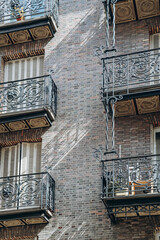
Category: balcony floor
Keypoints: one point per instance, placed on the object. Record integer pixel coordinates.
(133, 206)
(27, 30)
(28, 120)
(26, 216)
(138, 101)
(26, 199)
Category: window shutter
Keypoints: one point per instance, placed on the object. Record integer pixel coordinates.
(34, 72)
(156, 41)
(41, 65)
(24, 68)
(16, 70)
(9, 161)
(31, 158)
(9, 72)
(38, 157)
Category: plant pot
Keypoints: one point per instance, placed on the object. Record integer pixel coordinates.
(123, 192)
(20, 18)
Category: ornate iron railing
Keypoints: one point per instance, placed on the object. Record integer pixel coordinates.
(135, 70)
(28, 94)
(25, 191)
(131, 177)
(11, 10)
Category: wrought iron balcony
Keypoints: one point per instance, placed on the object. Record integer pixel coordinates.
(27, 103)
(131, 186)
(135, 78)
(26, 199)
(129, 71)
(27, 20)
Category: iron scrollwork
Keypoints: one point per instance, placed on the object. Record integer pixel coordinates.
(131, 176)
(132, 69)
(27, 190)
(9, 10)
(28, 94)
(17, 94)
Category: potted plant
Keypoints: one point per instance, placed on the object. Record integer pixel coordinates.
(17, 10)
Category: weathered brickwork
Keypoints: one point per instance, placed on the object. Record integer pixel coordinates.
(23, 232)
(134, 228)
(79, 128)
(133, 135)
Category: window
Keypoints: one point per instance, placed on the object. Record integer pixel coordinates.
(24, 68)
(19, 182)
(23, 158)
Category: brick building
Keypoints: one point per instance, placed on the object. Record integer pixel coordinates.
(54, 134)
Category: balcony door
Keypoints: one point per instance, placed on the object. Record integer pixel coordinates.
(19, 166)
(22, 87)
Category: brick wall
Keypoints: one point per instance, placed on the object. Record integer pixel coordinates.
(134, 228)
(133, 135)
(19, 233)
(69, 144)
